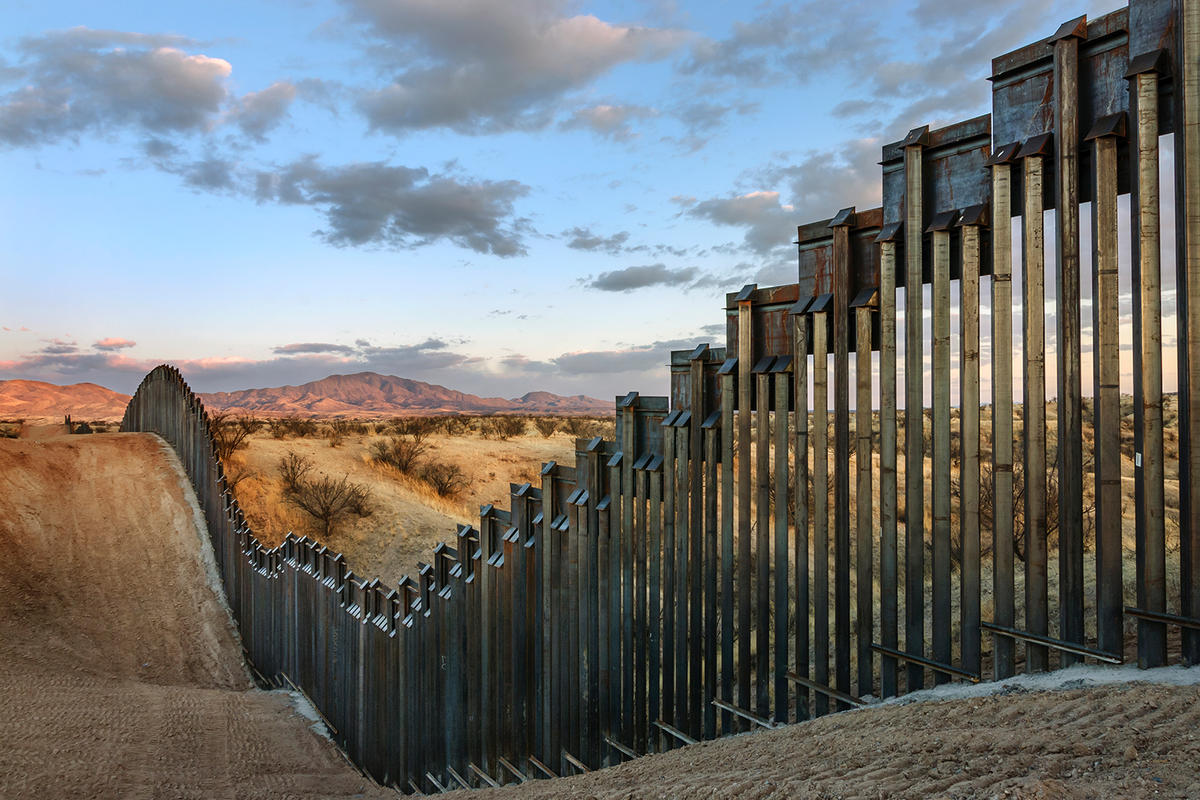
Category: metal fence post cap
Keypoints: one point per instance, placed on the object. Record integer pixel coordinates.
(1072, 29)
(1154, 61)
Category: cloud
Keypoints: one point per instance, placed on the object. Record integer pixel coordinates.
(113, 343)
(632, 359)
(396, 206)
(476, 66)
(765, 219)
(58, 347)
(294, 363)
(630, 278)
(311, 347)
(585, 239)
(609, 121)
(83, 80)
(790, 43)
(258, 112)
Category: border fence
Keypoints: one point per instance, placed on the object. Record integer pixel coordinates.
(680, 582)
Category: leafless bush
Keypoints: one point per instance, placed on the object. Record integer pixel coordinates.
(230, 432)
(401, 452)
(293, 470)
(590, 427)
(416, 428)
(502, 428)
(330, 500)
(546, 426)
(446, 479)
(292, 428)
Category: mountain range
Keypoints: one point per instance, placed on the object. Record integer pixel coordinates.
(363, 394)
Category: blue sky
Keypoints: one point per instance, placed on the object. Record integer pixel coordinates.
(497, 197)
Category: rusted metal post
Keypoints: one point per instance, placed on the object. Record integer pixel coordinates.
(548, 563)
(744, 355)
(841, 448)
(969, 603)
(762, 544)
(864, 561)
(711, 548)
(1152, 639)
(1187, 264)
(820, 588)
(640, 621)
(800, 498)
(888, 563)
(914, 406)
(940, 230)
(668, 577)
(1003, 581)
(654, 696)
(629, 499)
(1034, 154)
(780, 372)
(682, 534)
(695, 554)
(1070, 387)
(1107, 373)
(726, 374)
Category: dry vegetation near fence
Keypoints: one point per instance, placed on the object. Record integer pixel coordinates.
(421, 477)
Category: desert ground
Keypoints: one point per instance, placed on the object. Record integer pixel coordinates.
(123, 678)
(408, 517)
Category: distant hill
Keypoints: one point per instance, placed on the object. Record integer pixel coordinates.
(365, 394)
(369, 394)
(21, 399)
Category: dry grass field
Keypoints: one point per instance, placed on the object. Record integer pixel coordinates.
(408, 517)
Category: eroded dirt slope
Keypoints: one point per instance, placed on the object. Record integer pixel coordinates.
(119, 672)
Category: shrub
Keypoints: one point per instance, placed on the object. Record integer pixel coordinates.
(401, 452)
(416, 428)
(446, 479)
(455, 425)
(292, 427)
(230, 432)
(502, 427)
(330, 500)
(546, 426)
(293, 469)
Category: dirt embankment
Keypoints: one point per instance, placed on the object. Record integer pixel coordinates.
(119, 671)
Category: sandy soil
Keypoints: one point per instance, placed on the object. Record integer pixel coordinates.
(119, 669)
(1124, 741)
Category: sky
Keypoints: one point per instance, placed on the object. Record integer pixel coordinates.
(495, 197)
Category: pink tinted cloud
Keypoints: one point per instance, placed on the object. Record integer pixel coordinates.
(113, 343)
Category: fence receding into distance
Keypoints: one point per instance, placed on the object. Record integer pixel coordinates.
(679, 583)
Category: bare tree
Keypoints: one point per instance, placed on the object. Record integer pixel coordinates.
(330, 500)
(293, 470)
(402, 452)
(546, 426)
(230, 432)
